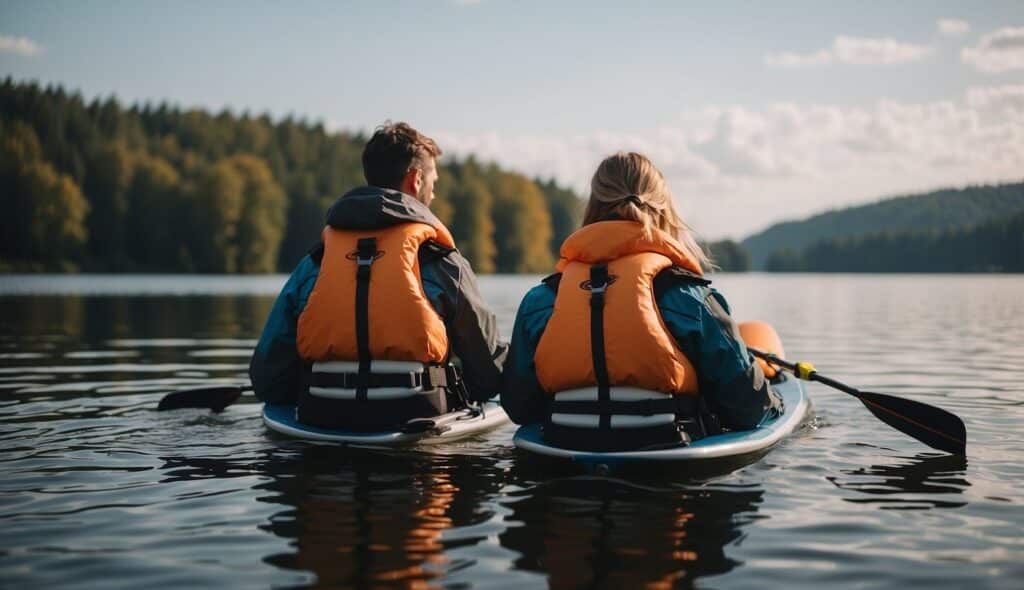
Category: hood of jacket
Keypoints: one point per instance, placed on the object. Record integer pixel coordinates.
(371, 207)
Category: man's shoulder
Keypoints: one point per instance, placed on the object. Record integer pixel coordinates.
(432, 251)
(442, 263)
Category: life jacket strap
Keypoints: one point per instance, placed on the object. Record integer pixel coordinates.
(374, 380)
(366, 253)
(678, 405)
(598, 285)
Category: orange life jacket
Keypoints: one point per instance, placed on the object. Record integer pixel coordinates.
(401, 323)
(639, 350)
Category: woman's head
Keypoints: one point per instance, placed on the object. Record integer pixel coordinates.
(628, 186)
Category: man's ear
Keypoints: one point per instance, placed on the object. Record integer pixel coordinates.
(412, 181)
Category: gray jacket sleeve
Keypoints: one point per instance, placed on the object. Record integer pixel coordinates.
(451, 286)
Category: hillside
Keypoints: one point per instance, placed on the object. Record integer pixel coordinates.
(943, 210)
(994, 246)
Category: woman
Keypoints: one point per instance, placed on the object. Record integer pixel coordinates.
(628, 346)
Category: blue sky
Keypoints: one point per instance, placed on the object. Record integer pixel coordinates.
(756, 111)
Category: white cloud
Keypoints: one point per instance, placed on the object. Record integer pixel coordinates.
(735, 170)
(953, 27)
(854, 51)
(19, 46)
(999, 51)
(1011, 97)
(788, 59)
(864, 51)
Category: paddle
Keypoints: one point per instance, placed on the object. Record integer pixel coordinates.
(933, 426)
(214, 398)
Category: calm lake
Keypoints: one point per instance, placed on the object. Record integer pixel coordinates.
(99, 490)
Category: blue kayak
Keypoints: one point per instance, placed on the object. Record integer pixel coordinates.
(720, 446)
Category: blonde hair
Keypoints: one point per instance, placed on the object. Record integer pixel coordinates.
(628, 186)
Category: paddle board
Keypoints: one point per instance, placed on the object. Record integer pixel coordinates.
(721, 446)
(439, 429)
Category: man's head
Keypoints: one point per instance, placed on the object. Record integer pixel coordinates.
(400, 158)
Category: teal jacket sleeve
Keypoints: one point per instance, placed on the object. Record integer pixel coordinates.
(521, 395)
(276, 370)
(732, 385)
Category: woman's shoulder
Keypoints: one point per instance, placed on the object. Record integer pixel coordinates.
(540, 297)
(679, 288)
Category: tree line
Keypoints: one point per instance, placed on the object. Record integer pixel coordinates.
(995, 246)
(941, 210)
(98, 186)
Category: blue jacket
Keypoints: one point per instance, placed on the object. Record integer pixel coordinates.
(278, 373)
(696, 315)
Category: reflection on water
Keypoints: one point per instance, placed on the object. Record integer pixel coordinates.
(898, 486)
(99, 490)
(362, 518)
(369, 518)
(607, 533)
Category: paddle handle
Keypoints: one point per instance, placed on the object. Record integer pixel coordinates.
(803, 371)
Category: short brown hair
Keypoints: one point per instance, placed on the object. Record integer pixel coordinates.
(394, 149)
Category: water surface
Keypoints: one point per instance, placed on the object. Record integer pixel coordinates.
(99, 490)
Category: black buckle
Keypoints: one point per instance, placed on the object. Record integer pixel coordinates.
(366, 251)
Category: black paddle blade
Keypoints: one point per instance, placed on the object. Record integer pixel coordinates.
(933, 426)
(212, 398)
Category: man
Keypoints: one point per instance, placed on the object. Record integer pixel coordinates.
(381, 304)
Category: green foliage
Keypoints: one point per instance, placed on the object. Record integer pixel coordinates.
(996, 246)
(156, 215)
(785, 260)
(943, 210)
(241, 212)
(109, 175)
(44, 212)
(522, 224)
(728, 256)
(471, 222)
(566, 212)
(157, 188)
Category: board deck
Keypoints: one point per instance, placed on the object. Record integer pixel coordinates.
(453, 426)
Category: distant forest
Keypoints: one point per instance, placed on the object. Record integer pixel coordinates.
(974, 229)
(100, 187)
(996, 246)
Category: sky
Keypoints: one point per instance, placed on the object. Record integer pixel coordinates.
(756, 112)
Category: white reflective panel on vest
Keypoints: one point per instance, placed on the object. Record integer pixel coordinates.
(617, 421)
(373, 393)
(375, 367)
(616, 394)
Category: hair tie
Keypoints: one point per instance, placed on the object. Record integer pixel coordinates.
(634, 199)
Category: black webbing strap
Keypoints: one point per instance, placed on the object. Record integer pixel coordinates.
(598, 285)
(375, 380)
(366, 252)
(678, 405)
(432, 377)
